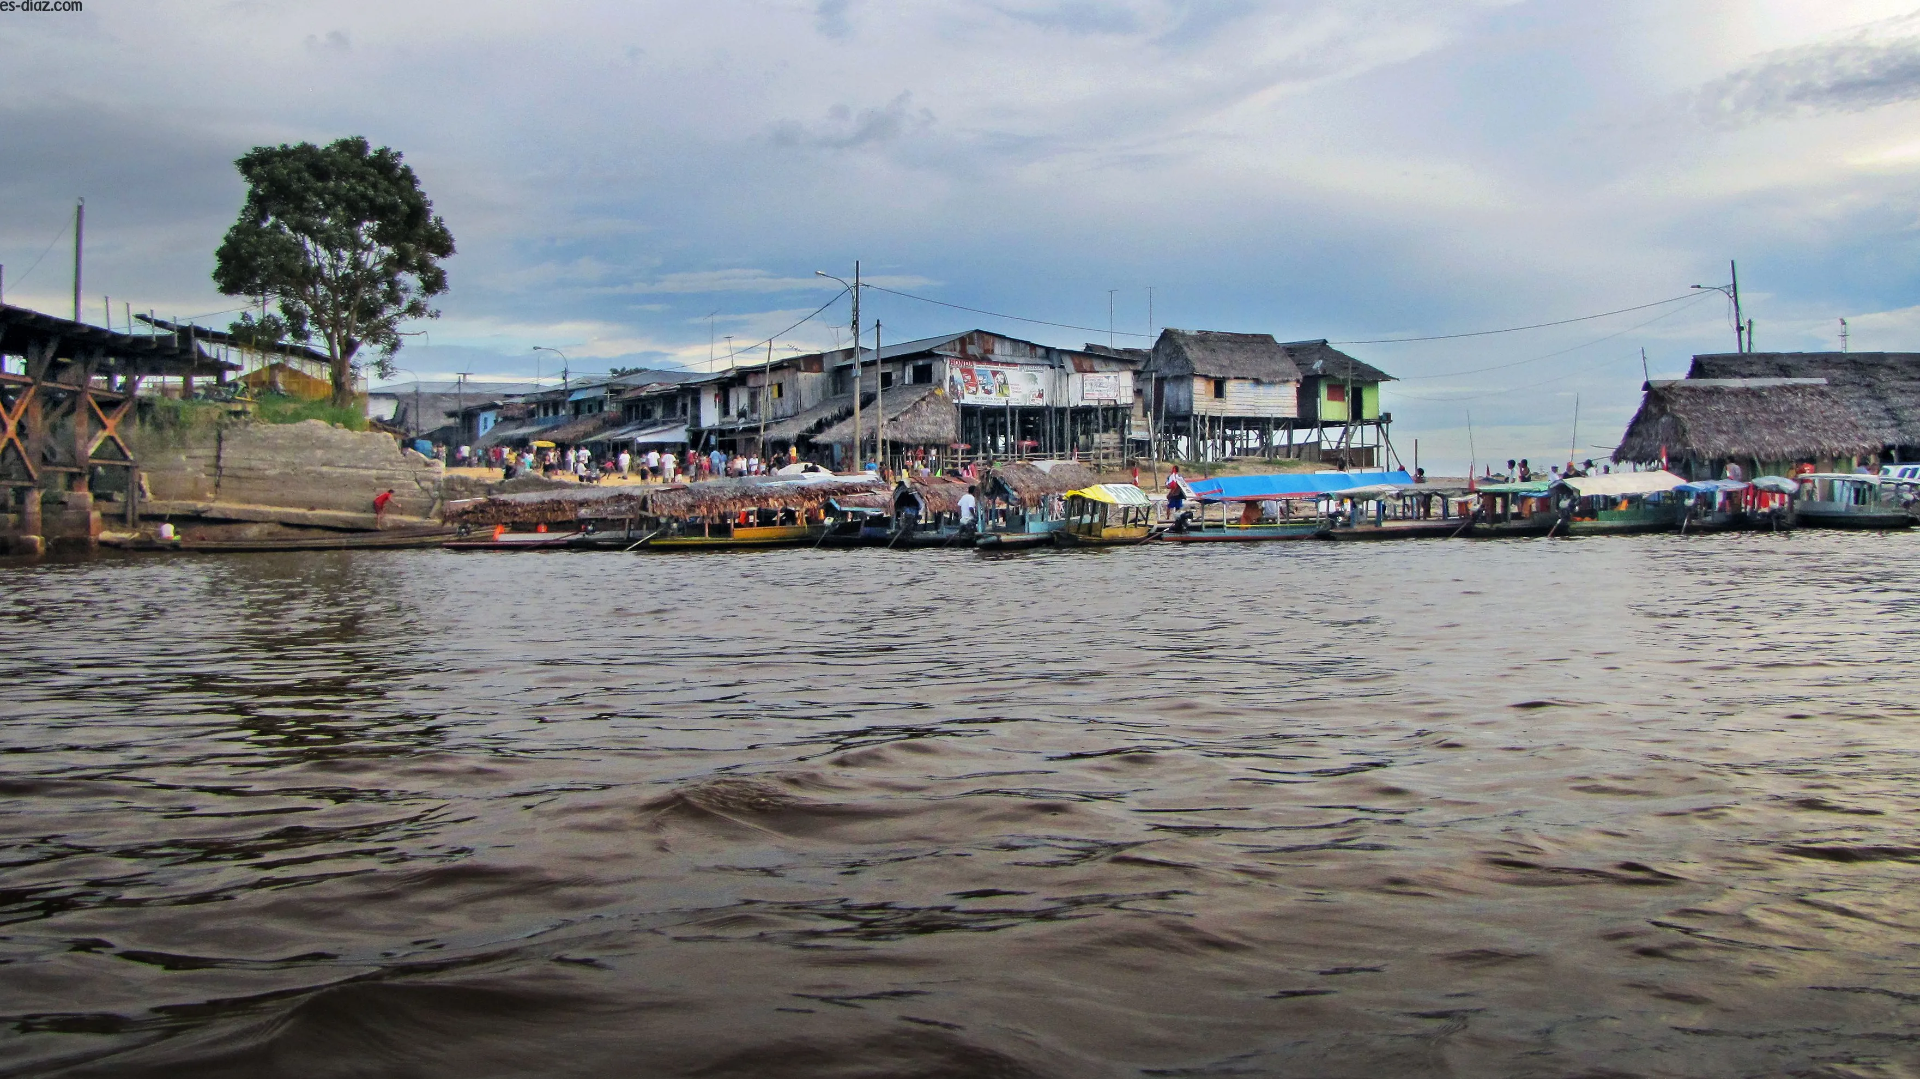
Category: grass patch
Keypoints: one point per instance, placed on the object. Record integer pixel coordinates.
(276, 408)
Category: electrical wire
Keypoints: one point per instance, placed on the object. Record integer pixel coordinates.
(36, 262)
(1516, 329)
(788, 330)
(997, 314)
(1578, 370)
(1548, 356)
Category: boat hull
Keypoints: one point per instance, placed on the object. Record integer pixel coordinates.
(1874, 520)
(1246, 534)
(1396, 530)
(770, 536)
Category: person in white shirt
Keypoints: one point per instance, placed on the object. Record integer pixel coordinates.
(626, 462)
(667, 464)
(653, 464)
(969, 510)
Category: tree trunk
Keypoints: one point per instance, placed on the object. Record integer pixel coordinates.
(342, 372)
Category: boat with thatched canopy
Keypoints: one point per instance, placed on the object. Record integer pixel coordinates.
(570, 516)
(760, 511)
(916, 513)
(1022, 503)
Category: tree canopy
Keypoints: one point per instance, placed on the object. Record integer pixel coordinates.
(343, 240)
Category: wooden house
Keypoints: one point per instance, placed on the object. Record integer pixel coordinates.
(1215, 394)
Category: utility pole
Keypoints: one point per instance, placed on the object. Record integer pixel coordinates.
(856, 366)
(1740, 338)
(3, 282)
(1110, 293)
(1645, 374)
(79, 234)
(1844, 346)
(766, 391)
(879, 401)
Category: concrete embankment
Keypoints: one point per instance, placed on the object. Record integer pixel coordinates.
(303, 475)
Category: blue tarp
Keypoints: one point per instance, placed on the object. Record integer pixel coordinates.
(1700, 487)
(1291, 485)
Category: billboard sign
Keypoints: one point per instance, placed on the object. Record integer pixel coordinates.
(970, 383)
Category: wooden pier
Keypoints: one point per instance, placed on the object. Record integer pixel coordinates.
(65, 390)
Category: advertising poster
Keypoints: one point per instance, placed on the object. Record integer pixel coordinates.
(995, 384)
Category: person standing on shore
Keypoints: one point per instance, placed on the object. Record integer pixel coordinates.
(380, 503)
(667, 466)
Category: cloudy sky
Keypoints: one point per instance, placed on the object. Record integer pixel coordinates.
(635, 182)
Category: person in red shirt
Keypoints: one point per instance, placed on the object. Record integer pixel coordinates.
(380, 503)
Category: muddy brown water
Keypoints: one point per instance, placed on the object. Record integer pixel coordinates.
(1633, 806)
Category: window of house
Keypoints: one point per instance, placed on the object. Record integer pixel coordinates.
(886, 379)
(1219, 387)
(1336, 394)
(753, 400)
(779, 391)
(923, 374)
(842, 382)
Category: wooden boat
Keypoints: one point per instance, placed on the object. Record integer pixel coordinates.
(503, 539)
(717, 535)
(344, 541)
(1243, 520)
(1022, 503)
(1618, 503)
(1105, 514)
(1856, 501)
(1513, 510)
(1392, 529)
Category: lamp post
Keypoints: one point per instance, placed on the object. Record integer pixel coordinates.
(566, 382)
(1742, 339)
(855, 289)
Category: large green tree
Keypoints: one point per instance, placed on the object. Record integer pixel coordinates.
(343, 240)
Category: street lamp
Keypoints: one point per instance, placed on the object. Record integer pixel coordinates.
(855, 289)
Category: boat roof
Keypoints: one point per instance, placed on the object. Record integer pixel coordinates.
(1535, 488)
(1281, 485)
(1700, 487)
(1619, 484)
(1114, 494)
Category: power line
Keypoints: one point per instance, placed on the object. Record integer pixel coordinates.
(36, 262)
(809, 318)
(1515, 329)
(1547, 356)
(997, 314)
(1514, 389)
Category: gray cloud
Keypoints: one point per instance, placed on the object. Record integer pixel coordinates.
(1077, 16)
(1862, 71)
(845, 129)
(830, 18)
(336, 41)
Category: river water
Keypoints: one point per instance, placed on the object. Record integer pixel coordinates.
(1624, 806)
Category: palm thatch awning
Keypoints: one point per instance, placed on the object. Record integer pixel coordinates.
(710, 498)
(563, 506)
(1028, 483)
(916, 416)
(1761, 419)
(937, 494)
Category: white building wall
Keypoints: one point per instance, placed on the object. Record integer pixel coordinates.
(1247, 397)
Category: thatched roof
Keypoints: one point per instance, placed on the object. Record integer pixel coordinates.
(1764, 419)
(715, 497)
(1317, 359)
(916, 416)
(938, 494)
(808, 420)
(1882, 387)
(1029, 482)
(1217, 354)
(574, 502)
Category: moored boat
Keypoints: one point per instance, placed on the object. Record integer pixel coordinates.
(1617, 503)
(1513, 510)
(1105, 514)
(1853, 501)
